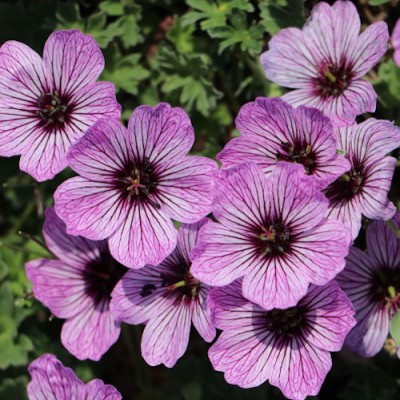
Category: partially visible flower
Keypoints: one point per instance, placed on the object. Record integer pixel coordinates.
(272, 131)
(325, 62)
(46, 105)
(133, 181)
(289, 347)
(372, 282)
(168, 299)
(52, 381)
(77, 287)
(396, 42)
(272, 232)
(364, 188)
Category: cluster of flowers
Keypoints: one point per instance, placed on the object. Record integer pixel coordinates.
(286, 207)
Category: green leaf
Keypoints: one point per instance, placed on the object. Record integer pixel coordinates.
(113, 8)
(126, 72)
(103, 33)
(249, 38)
(278, 14)
(14, 388)
(388, 84)
(68, 16)
(213, 14)
(395, 328)
(378, 2)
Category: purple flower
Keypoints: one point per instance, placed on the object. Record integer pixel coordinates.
(326, 60)
(134, 181)
(372, 282)
(77, 287)
(46, 105)
(396, 42)
(271, 231)
(52, 381)
(272, 130)
(168, 299)
(289, 347)
(364, 188)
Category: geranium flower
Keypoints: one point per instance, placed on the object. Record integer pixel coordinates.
(272, 131)
(325, 62)
(134, 181)
(46, 105)
(77, 287)
(364, 188)
(372, 282)
(272, 232)
(167, 298)
(52, 381)
(289, 347)
(396, 42)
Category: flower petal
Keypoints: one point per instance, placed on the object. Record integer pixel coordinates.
(202, 315)
(74, 59)
(97, 390)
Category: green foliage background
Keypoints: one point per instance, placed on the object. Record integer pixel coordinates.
(201, 55)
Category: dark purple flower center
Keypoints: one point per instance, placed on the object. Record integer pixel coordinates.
(138, 181)
(179, 282)
(272, 239)
(385, 288)
(53, 109)
(300, 153)
(348, 185)
(333, 79)
(287, 322)
(101, 276)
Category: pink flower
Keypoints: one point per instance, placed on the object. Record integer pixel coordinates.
(77, 287)
(396, 42)
(364, 188)
(46, 105)
(325, 62)
(272, 232)
(134, 181)
(272, 131)
(52, 381)
(289, 347)
(372, 282)
(168, 299)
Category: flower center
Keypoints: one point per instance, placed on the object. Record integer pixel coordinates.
(333, 80)
(285, 322)
(348, 185)
(138, 181)
(52, 108)
(273, 239)
(101, 276)
(300, 153)
(386, 288)
(180, 282)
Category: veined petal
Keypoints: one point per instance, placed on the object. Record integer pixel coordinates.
(52, 381)
(74, 59)
(91, 209)
(202, 315)
(165, 338)
(160, 133)
(186, 188)
(146, 236)
(97, 390)
(91, 333)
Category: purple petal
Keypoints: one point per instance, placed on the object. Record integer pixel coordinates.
(102, 152)
(146, 236)
(73, 250)
(74, 59)
(332, 315)
(202, 315)
(97, 390)
(371, 46)
(160, 133)
(166, 337)
(396, 42)
(188, 238)
(59, 286)
(186, 188)
(91, 333)
(52, 381)
(91, 209)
